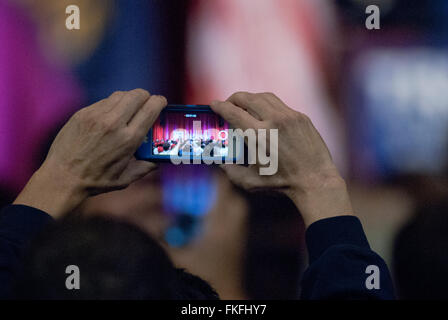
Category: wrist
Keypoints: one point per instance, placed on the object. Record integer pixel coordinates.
(52, 193)
(322, 196)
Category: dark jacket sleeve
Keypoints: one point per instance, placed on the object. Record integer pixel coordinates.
(18, 225)
(339, 257)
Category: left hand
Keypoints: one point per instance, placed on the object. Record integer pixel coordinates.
(93, 152)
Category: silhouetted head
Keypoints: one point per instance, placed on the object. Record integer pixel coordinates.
(115, 261)
(193, 287)
(420, 258)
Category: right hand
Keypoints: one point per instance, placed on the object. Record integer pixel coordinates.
(93, 152)
(306, 172)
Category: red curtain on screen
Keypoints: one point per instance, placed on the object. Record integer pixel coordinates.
(177, 121)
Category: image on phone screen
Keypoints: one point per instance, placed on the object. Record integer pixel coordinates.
(188, 132)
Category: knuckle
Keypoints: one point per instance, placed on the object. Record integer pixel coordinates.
(268, 95)
(78, 116)
(280, 121)
(103, 125)
(129, 97)
(256, 99)
(132, 94)
(240, 95)
(301, 117)
(160, 99)
(109, 124)
(138, 93)
(253, 97)
(291, 120)
(84, 116)
(116, 96)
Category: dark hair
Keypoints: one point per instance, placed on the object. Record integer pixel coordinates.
(193, 287)
(116, 261)
(420, 259)
(166, 146)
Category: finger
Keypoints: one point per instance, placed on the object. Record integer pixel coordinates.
(255, 104)
(105, 105)
(129, 104)
(275, 101)
(136, 170)
(147, 115)
(237, 117)
(113, 100)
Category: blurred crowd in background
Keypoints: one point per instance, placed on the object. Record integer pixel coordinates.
(378, 97)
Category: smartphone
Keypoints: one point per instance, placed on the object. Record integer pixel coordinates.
(190, 134)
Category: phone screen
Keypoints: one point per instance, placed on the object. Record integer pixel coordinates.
(188, 132)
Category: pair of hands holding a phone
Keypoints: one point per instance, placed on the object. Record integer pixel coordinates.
(93, 153)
